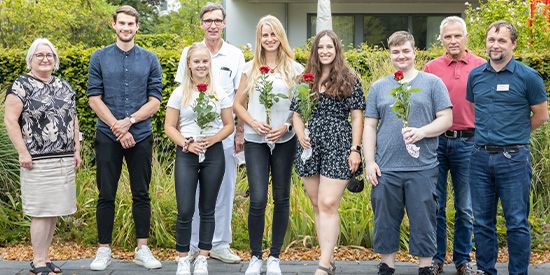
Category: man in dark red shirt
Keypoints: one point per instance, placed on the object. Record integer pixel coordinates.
(456, 144)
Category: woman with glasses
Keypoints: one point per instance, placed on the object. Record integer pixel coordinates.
(40, 118)
(269, 145)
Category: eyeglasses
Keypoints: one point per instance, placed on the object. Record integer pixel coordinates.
(210, 21)
(41, 56)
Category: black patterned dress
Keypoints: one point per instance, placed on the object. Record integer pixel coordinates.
(330, 134)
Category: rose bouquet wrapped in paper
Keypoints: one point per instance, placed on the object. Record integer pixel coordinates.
(205, 110)
(402, 106)
(266, 97)
(306, 104)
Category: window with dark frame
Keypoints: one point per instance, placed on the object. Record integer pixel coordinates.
(374, 29)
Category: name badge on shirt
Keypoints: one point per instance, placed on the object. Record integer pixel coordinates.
(503, 87)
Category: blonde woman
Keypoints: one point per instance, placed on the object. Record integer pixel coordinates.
(189, 170)
(272, 50)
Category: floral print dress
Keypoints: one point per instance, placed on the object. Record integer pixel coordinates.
(48, 117)
(331, 136)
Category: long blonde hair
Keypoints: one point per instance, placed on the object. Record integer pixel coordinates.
(285, 55)
(187, 85)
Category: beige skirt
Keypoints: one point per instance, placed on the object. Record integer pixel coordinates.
(48, 189)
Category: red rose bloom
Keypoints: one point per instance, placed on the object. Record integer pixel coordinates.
(264, 69)
(202, 87)
(308, 77)
(398, 75)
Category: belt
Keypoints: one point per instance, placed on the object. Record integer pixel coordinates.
(459, 133)
(499, 149)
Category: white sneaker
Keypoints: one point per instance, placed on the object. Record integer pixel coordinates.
(145, 258)
(200, 265)
(254, 266)
(102, 259)
(225, 255)
(184, 265)
(193, 253)
(273, 267)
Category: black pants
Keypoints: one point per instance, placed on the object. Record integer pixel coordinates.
(109, 156)
(209, 175)
(259, 162)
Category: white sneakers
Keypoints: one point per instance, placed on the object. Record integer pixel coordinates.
(102, 259)
(200, 265)
(225, 255)
(184, 265)
(254, 266)
(273, 267)
(145, 258)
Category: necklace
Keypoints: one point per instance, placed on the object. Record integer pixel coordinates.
(45, 81)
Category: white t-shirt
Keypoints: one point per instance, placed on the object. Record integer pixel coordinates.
(188, 126)
(280, 111)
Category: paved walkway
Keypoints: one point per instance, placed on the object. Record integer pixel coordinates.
(80, 267)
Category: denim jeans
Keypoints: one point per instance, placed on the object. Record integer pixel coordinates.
(505, 176)
(260, 162)
(453, 155)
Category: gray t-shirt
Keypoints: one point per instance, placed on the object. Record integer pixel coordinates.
(391, 153)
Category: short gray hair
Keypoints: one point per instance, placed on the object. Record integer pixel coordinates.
(32, 49)
(452, 20)
(212, 7)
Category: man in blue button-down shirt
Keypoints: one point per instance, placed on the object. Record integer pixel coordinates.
(509, 101)
(124, 90)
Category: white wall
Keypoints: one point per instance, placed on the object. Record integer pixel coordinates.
(243, 16)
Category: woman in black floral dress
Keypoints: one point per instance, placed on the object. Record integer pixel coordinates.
(40, 117)
(334, 140)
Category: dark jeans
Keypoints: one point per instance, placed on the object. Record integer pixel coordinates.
(188, 174)
(109, 156)
(505, 176)
(454, 156)
(259, 162)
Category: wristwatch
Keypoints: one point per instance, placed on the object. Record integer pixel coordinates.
(288, 126)
(132, 119)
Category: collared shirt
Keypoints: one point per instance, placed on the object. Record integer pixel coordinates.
(502, 102)
(226, 67)
(125, 81)
(226, 70)
(454, 74)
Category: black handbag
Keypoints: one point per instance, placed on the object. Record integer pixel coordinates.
(356, 184)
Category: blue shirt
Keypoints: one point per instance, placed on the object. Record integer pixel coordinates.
(125, 81)
(502, 102)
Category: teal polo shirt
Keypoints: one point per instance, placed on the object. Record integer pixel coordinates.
(502, 102)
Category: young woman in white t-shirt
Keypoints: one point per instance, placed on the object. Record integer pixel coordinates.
(272, 50)
(181, 127)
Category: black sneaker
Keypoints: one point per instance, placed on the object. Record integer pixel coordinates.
(384, 269)
(465, 269)
(437, 268)
(427, 270)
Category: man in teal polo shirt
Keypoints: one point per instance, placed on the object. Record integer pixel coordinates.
(509, 101)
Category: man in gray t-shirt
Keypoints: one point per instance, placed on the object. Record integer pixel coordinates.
(401, 181)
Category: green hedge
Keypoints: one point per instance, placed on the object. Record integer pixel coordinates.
(74, 69)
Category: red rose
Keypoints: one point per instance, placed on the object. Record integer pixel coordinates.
(398, 75)
(308, 77)
(264, 69)
(202, 87)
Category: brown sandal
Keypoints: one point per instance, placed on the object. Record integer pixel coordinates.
(329, 271)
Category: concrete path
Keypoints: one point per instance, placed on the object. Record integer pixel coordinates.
(81, 267)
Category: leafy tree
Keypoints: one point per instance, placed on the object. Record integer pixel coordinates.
(185, 22)
(65, 23)
(530, 38)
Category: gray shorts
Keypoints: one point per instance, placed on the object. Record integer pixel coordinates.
(415, 192)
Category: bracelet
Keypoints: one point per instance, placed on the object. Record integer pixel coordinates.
(356, 151)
